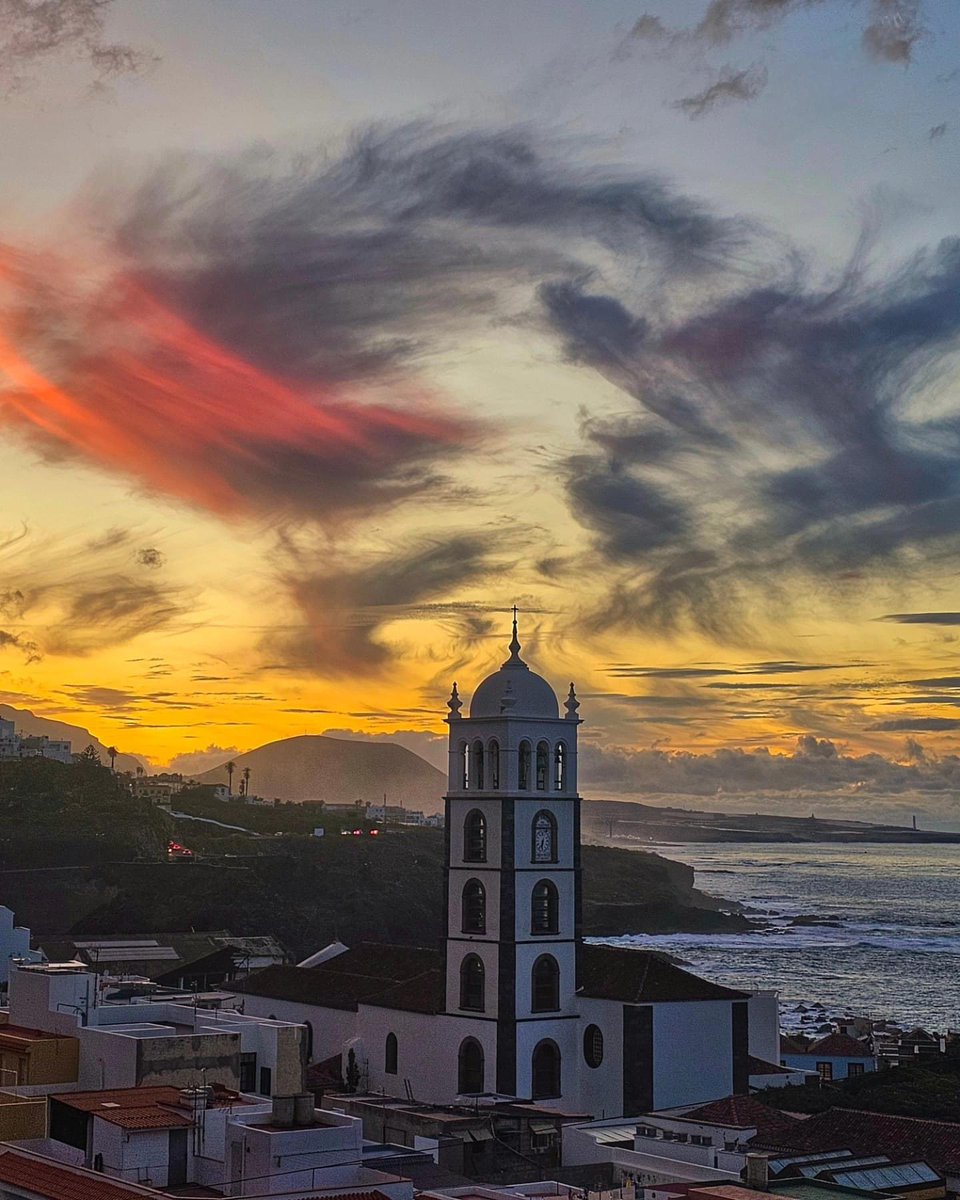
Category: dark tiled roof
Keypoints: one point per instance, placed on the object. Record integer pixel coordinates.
(55, 1181)
(759, 1066)
(641, 977)
(792, 1045)
(404, 977)
(936, 1142)
(741, 1112)
(840, 1045)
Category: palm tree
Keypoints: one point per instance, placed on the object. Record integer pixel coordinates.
(231, 767)
(112, 755)
(246, 781)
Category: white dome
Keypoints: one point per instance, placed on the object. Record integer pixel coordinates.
(515, 690)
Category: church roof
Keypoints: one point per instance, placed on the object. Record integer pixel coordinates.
(642, 977)
(403, 977)
(515, 690)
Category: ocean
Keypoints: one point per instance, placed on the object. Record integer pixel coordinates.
(891, 947)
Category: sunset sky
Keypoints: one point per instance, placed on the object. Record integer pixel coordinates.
(330, 329)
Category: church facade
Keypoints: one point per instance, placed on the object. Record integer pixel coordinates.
(516, 1004)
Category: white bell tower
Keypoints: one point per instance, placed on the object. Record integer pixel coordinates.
(513, 882)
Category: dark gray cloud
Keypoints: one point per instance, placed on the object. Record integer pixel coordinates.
(917, 724)
(890, 31)
(729, 87)
(81, 596)
(924, 618)
(343, 607)
(29, 649)
(626, 671)
(774, 442)
(33, 33)
(343, 266)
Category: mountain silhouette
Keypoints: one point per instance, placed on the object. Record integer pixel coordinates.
(78, 737)
(337, 771)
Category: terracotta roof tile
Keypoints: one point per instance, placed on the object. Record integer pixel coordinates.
(642, 977)
(741, 1112)
(55, 1181)
(840, 1045)
(936, 1142)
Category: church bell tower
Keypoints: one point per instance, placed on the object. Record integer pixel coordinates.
(513, 881)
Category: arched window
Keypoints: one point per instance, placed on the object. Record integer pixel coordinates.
(478, 765)
(470, 1068)
(560, 767)
(543, 837)
(471, 983)
(473, 907)
(494, 757)
(593, 1046)
(546, 1070)
(544, 908)
(464, 765)
(475, 837)
(545, 984)
(543, 760)
(523, 766)
(390, 1054)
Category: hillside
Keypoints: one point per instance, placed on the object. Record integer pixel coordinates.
(80, 738)
(338, 771)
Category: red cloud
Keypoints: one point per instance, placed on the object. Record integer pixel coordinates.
(110, 374)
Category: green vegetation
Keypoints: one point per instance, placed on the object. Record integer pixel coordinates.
(96, 864)
(55, 815)
(930, 1089)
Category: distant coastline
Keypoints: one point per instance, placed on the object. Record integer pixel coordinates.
(619, 821)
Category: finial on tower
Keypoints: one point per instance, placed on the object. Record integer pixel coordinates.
(454, 704)
(514, 660)
(571, 705)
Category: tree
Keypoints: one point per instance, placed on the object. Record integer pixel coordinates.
(89, 757)
(112, 755)
(231, 767)
(245, 786)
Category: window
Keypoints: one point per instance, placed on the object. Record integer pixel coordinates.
(854, 1068)
(266, 1081)
(471, 983)
(478, 765)
(464, 765)
(560, 767)
(545, 984)
(825, 1071)
(543, 758)
(470, 1068)
(475, 837)
(544, 908)
(544, 837)
(593, 1046)
(494, 756)
(546, 1070)
(248, 1072)
(473, 907)
(390, 1054)
(523, 766)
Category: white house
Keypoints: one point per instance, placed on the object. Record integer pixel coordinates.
(516, 1003)
(14, 944)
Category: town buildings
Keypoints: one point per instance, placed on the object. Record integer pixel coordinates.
(21, 745)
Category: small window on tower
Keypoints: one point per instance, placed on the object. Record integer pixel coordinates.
(593, 1046)
(475, 837)
(474, 907)
(523, 766)
(494, 765)
(478, 765)
(560, 767)
(543, 759)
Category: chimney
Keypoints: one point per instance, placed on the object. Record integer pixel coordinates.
(283, 1110)
(758, 1172)
(303, 1107)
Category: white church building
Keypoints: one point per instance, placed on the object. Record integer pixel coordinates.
(516, 1004)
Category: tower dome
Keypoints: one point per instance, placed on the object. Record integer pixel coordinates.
(515, 689)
